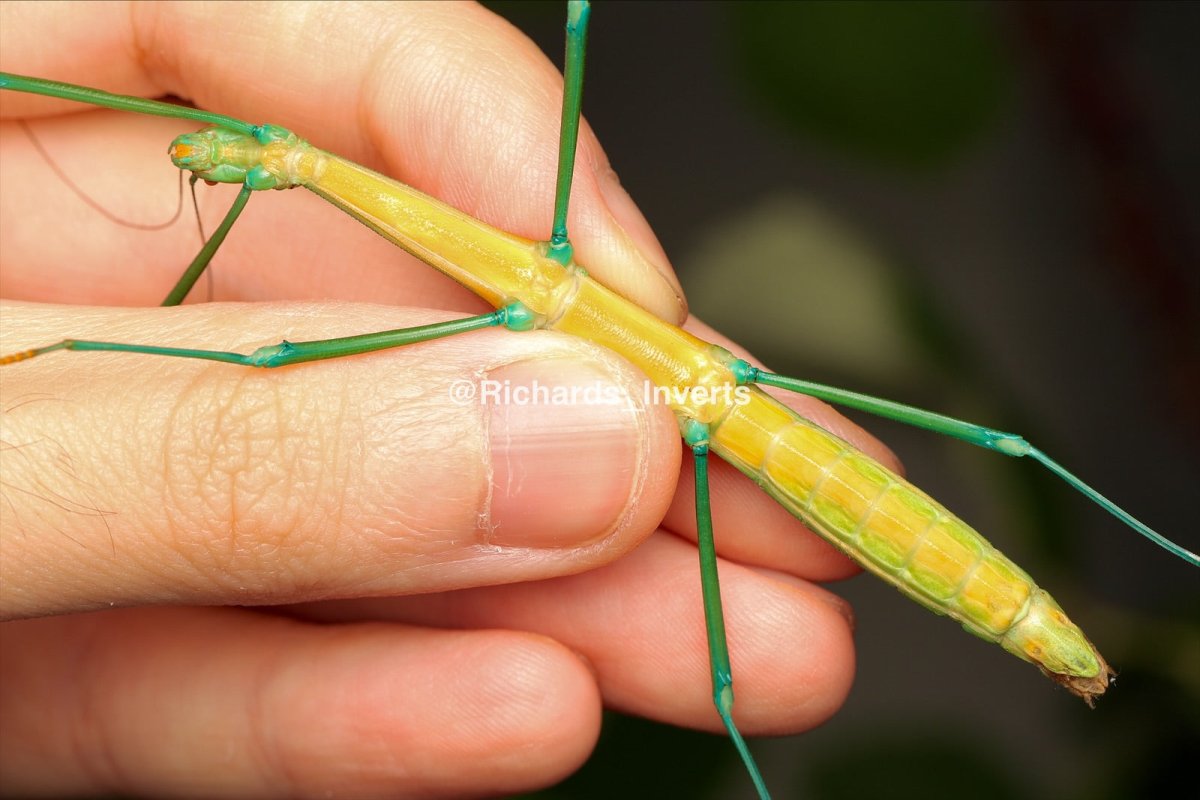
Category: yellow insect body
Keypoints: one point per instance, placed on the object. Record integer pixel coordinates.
(873, 515)
(907, 538)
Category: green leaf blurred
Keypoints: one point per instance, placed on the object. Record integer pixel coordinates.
(907, 83)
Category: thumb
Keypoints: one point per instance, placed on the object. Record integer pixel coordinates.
(132, 479)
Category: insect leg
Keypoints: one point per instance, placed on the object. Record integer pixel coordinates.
(696, 436)
(514, 317)
(1010, 444)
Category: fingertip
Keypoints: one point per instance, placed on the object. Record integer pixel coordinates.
(470, 712)
(811, 676)
(552, 704)
(619, 246)
(232, 703)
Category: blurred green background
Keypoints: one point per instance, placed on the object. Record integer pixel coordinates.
(990, 210)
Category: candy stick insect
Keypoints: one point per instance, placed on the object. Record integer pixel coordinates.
(890, 527)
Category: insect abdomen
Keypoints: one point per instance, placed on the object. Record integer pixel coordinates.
(901, 534)
(886, 523)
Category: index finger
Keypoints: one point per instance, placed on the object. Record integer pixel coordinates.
(446, 97)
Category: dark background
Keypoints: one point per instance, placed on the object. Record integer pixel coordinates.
(990, 210)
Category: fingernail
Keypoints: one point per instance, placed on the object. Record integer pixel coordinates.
(643, 245)
(566, 445)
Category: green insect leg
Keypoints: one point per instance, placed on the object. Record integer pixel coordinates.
(192, 274)
(696, 436)
(514, 317)
(577, 24)
(1010, 444)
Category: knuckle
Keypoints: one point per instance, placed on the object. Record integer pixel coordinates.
(247, 479)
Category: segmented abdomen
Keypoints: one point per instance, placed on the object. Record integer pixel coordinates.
(898, 532)
(884, 522)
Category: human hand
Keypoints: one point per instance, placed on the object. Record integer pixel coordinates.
(141, 482)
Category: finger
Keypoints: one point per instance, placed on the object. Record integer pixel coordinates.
(285, 246)
(136, 479)
(230, 703)
(777, 540)
(640, 624)
(411, 89)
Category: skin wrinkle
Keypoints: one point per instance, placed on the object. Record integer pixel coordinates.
(311, 479)
(389, 95)
(219, 471)
(433, 102)
(516, 691)
(295, 479)
(519, 146)
(172, 530)
(454, 97)
(344, 463)
(373, 90)
(175, 438)
(217, 457)
(425, 538)
(401, 535)
(469, 104)
(441, 89)
(263, 471)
